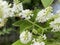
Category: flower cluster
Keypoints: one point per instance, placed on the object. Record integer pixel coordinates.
(4, 12)
(39, 40)
(16, 10)
(26, 14)
(44, 15)
(55, 25)
(38, 43)
(26, 37)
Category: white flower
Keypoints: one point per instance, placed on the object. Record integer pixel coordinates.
(25, 37)
(55, 25)
(4, 9)
(33, 40)
(44, 36)
(38, 43)
(11, 13)
(17, 8)
(44, 15)
(4, 12)
(42, 43)
(27, 14)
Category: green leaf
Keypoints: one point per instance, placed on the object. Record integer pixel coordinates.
(54, 43)
(19, 43)
(23, 24)
(26, 1)
(47, 3)
(48, 43)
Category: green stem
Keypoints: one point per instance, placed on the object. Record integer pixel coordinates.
(33, 25)
(42, 32)
(36, 25)
(27, 27)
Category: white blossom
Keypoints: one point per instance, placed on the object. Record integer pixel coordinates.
(42, 43)
(11, 13)
(38, 43)
(39, 40)
(27, 14)
(4, 9)
(4, 12)
(25, 37)
(44, 15)
(55, 25)
(17, 8)
(44, 36)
